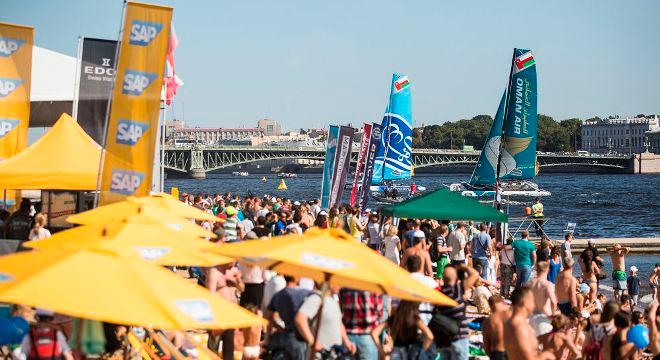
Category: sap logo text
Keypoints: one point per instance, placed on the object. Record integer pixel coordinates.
(7, 125)
(130, 132)
(143, 32)
(9, 46)
(136, 81)
(7, 86)
(125, 182)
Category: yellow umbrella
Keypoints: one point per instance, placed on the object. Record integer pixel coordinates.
(151, 241)
(93, 285)
(335, 257)
(169, 202)
(125, 210)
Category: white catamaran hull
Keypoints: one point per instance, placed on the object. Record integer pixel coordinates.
(400, 188)
(527, 188)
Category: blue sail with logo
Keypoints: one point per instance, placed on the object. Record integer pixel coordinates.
(518, 158)
(379, 162)
(484, 172)
(398, 155)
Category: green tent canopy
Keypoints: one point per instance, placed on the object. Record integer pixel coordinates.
(444, 204)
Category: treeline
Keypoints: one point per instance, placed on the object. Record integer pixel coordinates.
(553, 136)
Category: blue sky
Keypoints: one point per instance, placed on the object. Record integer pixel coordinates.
(312, 63)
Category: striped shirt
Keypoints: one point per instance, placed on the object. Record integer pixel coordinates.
(457, 312)
(230, 225)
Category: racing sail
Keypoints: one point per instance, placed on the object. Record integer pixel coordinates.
(329, 166)
(519, 150)
(398, 156)
(484, 172)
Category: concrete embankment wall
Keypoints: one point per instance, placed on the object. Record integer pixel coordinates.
(650, 245)
(647, 163)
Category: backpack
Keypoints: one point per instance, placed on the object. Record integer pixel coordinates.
(433, 252)
(297, 334)
(44, 344)
(347, 225)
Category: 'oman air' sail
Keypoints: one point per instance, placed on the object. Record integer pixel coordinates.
(394, 158)
(522, 119)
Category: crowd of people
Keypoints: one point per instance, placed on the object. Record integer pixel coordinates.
(501, 288)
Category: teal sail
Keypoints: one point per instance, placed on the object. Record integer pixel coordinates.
(398, 155)
(394, 154)
(484, 172)
(521, 123)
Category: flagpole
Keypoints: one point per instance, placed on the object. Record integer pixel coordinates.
(99, 178)
(76, 89)
(162, 149)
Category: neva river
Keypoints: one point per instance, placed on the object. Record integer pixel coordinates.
(601, 205)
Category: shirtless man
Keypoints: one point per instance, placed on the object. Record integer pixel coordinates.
(565, 288)
(544, 291)
(419, 248)
(522, 342)
(224, 280)
(493, 328)
(619, 276)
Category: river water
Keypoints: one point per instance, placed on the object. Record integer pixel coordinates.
(606, 206)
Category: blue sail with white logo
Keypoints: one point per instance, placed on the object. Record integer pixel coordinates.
(398, 155)
(379, 162)
(484, 172)
(518, 158)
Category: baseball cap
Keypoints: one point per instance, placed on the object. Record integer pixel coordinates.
(419, 234)
(230, 210)
(296, 203)
(322, 212)
(633, 268)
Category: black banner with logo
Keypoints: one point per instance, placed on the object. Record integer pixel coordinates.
(374, 142)
(96, 78)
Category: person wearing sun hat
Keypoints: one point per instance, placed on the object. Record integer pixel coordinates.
(231, 225)
(634, 283)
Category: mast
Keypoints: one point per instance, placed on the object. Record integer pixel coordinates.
(503, 134)
(387, 127)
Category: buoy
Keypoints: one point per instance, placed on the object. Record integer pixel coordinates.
(263, 179)
(528, 211)
(282, 185)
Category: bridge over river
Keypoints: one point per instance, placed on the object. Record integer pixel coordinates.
(198, 160)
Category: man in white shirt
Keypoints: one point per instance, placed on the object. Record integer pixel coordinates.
(457, 241)
(414, 266)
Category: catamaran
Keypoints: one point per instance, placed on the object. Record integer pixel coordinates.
(393, 161)
(510, 162)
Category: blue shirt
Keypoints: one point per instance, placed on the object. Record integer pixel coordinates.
(554, 270)
(480, 243)
(633, 285)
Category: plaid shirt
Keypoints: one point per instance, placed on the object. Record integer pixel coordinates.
(361, 310)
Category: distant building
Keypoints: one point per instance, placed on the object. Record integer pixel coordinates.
(270, 127)
(653, 140)
(617, 135)
(172, 125)
(214, 136)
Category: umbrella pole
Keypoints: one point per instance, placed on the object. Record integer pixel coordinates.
(325, 289)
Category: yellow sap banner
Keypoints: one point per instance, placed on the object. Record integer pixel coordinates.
(15, 70)
(133, 124)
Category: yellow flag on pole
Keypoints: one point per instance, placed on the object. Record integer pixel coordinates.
(133, 123)
(15, 74)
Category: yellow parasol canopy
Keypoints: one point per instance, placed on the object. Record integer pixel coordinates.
(169, 202)
(151, 241)
(138, 213)
(334, 256)
(98, 286)
(133, 205)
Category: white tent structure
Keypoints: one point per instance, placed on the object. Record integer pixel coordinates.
(53, 86)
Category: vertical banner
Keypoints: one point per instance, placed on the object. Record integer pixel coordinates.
(329, 165)
(15, 75)
(364, 147)
(131, 137)
(374, 144)
(342, 163)
(97, 74)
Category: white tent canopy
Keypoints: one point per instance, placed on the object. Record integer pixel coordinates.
(53, 86)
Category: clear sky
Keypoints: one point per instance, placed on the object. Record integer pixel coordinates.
(311, 63)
